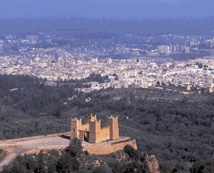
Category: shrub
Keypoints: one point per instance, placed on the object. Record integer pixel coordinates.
(1, 150)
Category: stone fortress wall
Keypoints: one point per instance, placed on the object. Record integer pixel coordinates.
(92, 131)
(109, 147)
(97, 139)
(97, 149)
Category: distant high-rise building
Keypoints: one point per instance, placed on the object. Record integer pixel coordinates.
(94, 60)
(109, 60)
(1, 44)
(33, 38)
(185, 49)
(164, 49)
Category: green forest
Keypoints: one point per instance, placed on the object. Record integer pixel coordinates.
(73, 159)
(177, 128)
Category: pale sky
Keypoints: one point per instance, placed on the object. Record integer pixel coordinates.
(122, 9)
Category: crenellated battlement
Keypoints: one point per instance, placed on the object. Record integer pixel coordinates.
(93, 117)
(92, 131)
(112, 117)
(76, 120)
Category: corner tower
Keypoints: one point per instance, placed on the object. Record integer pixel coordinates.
(95, 128)
(112, 122)
(75, 126)
(92, 118)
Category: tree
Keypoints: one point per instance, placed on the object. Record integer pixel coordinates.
(138, 163)
(206, 166)
(75, 148)
(103, 169)
(179, 169)
(133, 154)
(164, 168)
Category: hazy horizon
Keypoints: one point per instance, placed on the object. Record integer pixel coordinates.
(119, 26)
(120, 16)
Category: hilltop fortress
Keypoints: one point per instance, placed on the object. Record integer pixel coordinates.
(92, 131)
(97, 139)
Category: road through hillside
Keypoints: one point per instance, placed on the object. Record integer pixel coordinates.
(33, 144)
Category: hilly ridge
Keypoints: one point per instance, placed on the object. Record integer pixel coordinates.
(178, 129)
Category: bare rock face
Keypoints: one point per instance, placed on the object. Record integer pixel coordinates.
(153, 164)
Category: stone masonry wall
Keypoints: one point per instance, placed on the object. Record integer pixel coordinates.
(105, 133)
(108, 147)
(98, 149)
